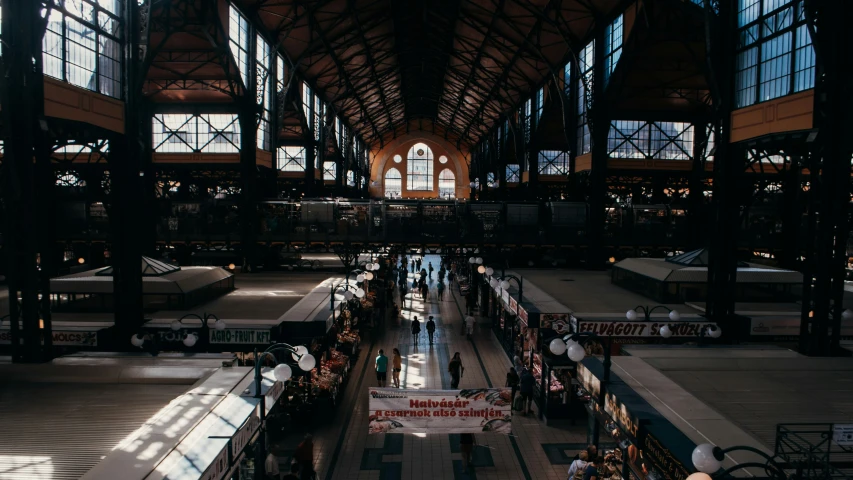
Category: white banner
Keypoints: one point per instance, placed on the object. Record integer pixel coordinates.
(440, 411)
(643, 329)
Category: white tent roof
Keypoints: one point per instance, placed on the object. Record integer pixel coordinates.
(185, 280)
(660, 269)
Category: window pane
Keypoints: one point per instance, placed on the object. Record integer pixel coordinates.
(393, 183)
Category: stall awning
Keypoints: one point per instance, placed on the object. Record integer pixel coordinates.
(665, 270)
(177, 282)
(313, 316)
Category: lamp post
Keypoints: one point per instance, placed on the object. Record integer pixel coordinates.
(359, 293)
(205, 318)
(572, 345)
(282, 373)
(708, 459)
(518, 280)
(647, 312)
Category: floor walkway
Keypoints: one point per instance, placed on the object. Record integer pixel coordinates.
(346, 451)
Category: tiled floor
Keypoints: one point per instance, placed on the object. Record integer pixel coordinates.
(344, 449)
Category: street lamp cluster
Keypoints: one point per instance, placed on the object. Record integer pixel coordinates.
(708, 460)
(191, 338)
(666, 330)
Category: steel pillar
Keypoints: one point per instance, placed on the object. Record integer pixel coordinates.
(22, 101)
(599, 125)
(728, 169)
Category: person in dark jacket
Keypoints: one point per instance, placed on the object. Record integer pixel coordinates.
(416, 329)
(430, 328)
(526, 385)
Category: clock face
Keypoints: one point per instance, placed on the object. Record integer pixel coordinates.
(421, 152)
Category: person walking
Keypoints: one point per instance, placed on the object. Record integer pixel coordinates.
(469, 326)
(592, 469)
(418, 263)
(578, 467)
(440, 289)
(381, 368)
(398, 367)
(304, 456)
(466, 445)
(512, 380)
(413, 266)
(416, 329)
(425, 291)
(526, 385)
(430, 328)
(430, 270)
(456, 370)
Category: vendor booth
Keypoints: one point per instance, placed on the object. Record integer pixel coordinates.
(67, 336)
(646, 445)
(523, 330)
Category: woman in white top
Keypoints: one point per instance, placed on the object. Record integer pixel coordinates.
(577, 468)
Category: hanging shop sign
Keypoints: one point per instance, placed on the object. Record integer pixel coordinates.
(245, 433)
(620, 414)
(239, 336)
(642, 329)
(522, 314)
(440, 411)
(559, 322)
(842, 435)
(513, 306)
(60, 338)
(218, 468)
(671, 467)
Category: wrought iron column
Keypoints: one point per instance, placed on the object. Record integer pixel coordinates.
(22, 101)
(127, 191)
(249, 113)
(696, 214)
(599, 125)
(728, 169)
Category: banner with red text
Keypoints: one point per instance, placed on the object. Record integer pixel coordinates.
(475, 410)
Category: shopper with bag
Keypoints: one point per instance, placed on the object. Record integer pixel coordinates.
(578, 467)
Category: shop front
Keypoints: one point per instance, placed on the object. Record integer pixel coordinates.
(645, 445)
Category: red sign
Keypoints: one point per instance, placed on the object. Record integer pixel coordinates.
(522, 314)
(513, 305)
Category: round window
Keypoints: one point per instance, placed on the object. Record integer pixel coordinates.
(442, 159)
(398, 159)
(421, 152)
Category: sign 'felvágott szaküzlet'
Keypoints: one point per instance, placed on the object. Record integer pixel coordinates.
(440, 411)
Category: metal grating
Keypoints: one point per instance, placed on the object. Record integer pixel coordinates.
(60, 430)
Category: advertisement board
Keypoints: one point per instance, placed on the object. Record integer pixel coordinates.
(642, 329)
(61, 338)
(787, 327)
(440, 411)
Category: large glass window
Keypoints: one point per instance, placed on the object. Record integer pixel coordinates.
(419, 167)
(82, 45)
(553, 162)
(238, 40)
(263, 64)
(513, 173)
(775, 55)
(291, 159)
(585, 64)
(658, 140)
(540, 104)
(319, 114)
(307, 102)
(567, 78)
(187, 133)
(447, 184)
(330, 170)
(393, 183)
(612, 46)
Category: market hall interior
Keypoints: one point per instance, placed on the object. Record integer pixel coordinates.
(641, 206)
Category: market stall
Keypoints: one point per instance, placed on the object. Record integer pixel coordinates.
(647, 445)
(524, 330)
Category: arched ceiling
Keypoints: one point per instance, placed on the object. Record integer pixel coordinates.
(450, 67)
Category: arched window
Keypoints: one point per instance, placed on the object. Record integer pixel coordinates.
(446, 184)
(393, 183)
(419, 167)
